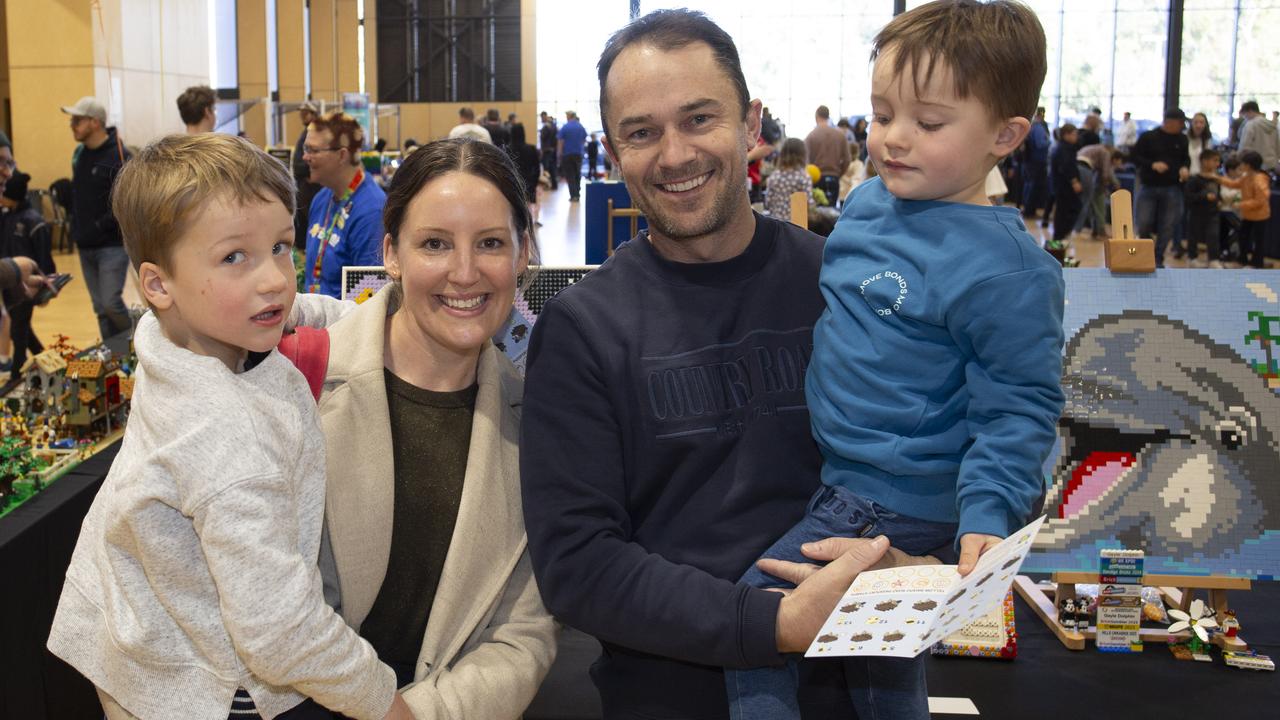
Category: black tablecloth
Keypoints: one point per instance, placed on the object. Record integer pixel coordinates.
(36, 541)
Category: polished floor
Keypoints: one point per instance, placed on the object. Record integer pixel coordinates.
(561, 239)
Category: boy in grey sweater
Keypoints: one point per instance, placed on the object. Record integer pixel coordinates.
(195, 573)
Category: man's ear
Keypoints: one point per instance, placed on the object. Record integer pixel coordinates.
(754, 123)
(1010, 135)
(608, 149)
(154, 281)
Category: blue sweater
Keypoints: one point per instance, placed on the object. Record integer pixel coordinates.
(934, 386)
(357, 243)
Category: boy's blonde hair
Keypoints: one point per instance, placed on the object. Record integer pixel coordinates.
(995, 51)
(166, 181)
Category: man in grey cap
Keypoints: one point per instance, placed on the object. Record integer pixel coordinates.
(307, 190)
(103, 261)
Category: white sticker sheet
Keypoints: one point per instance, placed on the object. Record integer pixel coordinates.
(902, 611)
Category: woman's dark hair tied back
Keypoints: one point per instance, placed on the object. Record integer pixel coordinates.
(466, 155)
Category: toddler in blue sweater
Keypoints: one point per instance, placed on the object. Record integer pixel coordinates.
(934, 384)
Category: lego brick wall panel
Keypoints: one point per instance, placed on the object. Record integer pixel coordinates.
(1170, 435)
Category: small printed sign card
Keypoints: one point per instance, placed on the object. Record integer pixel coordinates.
(902, 611)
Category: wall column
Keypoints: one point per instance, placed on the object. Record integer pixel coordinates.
(251, 60)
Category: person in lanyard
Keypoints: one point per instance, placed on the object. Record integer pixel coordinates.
(345, 220)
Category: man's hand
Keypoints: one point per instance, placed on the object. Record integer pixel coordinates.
(31, 277)
(1076, 186)
(827, 550)
(1184, 173)
(972, 545)
(399, 710)
(804, 609)
(1160, 166)
(1211, 197)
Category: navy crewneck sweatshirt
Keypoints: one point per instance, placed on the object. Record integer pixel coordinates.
(665, 445)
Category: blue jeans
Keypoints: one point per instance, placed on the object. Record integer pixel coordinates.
(1159, 211)
(104, 271)
(881, 688)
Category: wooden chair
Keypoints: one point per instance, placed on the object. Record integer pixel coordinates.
(632, 213)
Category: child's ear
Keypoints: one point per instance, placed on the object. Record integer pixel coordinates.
(153, 281)
(1010, 134)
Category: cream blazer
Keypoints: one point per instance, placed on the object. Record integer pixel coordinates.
(489, 641)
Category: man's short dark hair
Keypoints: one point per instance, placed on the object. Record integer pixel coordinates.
(493, 115)
(671, 30)
(823, 112)
(1209, 153)
(467, 114)
(1249, 106)
(194, 102)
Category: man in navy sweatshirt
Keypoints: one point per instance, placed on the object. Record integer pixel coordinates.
(665, 440)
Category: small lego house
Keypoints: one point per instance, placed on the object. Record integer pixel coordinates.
(94, 395)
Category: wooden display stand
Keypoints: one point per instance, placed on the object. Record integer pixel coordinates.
(1176, 590)
(633, 213)
(800, 209)
(1125, 252)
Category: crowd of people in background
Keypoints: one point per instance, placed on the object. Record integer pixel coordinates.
(1201, 197)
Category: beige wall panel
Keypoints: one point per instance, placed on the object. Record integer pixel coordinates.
(346, 43)
(145, 117)
(251, 51)
(528, 54)
(415, 122)
(323, 75)
(137, 44)
(41, 131)
(291, 53)
(184, 25)
(66, 21)
(371, 50)
(4, 68)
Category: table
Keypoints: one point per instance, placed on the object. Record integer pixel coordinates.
(36, 541)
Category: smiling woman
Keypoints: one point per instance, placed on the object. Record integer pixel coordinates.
(421, 415)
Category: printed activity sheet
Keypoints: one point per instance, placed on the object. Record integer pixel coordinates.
(900, 612)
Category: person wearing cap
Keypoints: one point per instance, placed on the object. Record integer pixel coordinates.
(307, 112)
(23, 233)
(1164, 163)
(1259, 134)
(195, 105)
(103, 260)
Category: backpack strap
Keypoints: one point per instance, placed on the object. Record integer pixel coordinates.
(308, 349)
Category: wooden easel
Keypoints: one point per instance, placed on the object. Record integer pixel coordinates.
(1176, 590)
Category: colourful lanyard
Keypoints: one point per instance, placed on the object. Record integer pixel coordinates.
(347, 199)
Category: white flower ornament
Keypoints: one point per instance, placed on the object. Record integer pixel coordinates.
(1196, 620)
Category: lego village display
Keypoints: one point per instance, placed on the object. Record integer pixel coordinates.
(65, 405)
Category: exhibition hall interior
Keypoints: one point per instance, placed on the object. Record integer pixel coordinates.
(485, 359)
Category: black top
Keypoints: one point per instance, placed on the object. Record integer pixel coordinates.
(430, 438)
(25, 233)
(548, 137)
(93, 172)
(500, 135)
(1154, 146)
(1087, 138)
(529, 162)
(301, 170)
(1062, 166)
(665, 444)
(1197, 192)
